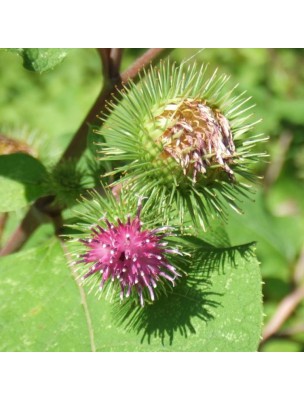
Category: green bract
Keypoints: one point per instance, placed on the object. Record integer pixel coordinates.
(68, 180)
(180, 136)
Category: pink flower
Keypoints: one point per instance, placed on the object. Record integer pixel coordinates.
(133, 257)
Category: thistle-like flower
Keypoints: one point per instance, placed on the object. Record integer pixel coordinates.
(131, 258)
(180, 136)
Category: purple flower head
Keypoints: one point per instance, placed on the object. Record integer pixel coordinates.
(133, 257)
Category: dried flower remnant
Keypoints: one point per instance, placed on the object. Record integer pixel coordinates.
(11, 146)
(126, 254)
(197, 137)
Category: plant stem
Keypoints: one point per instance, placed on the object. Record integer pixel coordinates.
(3, 220)
(287, 306)
(115, 61)
(150, 55)
(79, 142)
(29, 224)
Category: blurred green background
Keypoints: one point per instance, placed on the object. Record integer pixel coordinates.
(46, 109)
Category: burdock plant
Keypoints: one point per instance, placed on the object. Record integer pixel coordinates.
(174, 147)
(185, 141)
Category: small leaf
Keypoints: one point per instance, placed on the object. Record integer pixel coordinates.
(217, 307)
(21, 178)
(41, 60)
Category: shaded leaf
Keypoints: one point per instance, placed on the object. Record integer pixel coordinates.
(21, 181)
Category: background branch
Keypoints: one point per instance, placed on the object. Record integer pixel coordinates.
(276, 166)
(293, 330)
(288, 305)
(285, 308)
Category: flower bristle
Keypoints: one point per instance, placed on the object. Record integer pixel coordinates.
(166, 157)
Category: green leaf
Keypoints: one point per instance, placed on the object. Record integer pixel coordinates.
(21, 181)
(41, 60)
(40, 304)
(217, 307)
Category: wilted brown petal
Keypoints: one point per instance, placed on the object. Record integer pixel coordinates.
(197, 137)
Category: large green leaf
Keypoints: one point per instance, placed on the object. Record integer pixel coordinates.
(41, 60)
(216, 308)
(21, 181)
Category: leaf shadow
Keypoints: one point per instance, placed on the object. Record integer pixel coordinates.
(214, 259)
(26, 170)
(176, 313)
(171, 314)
